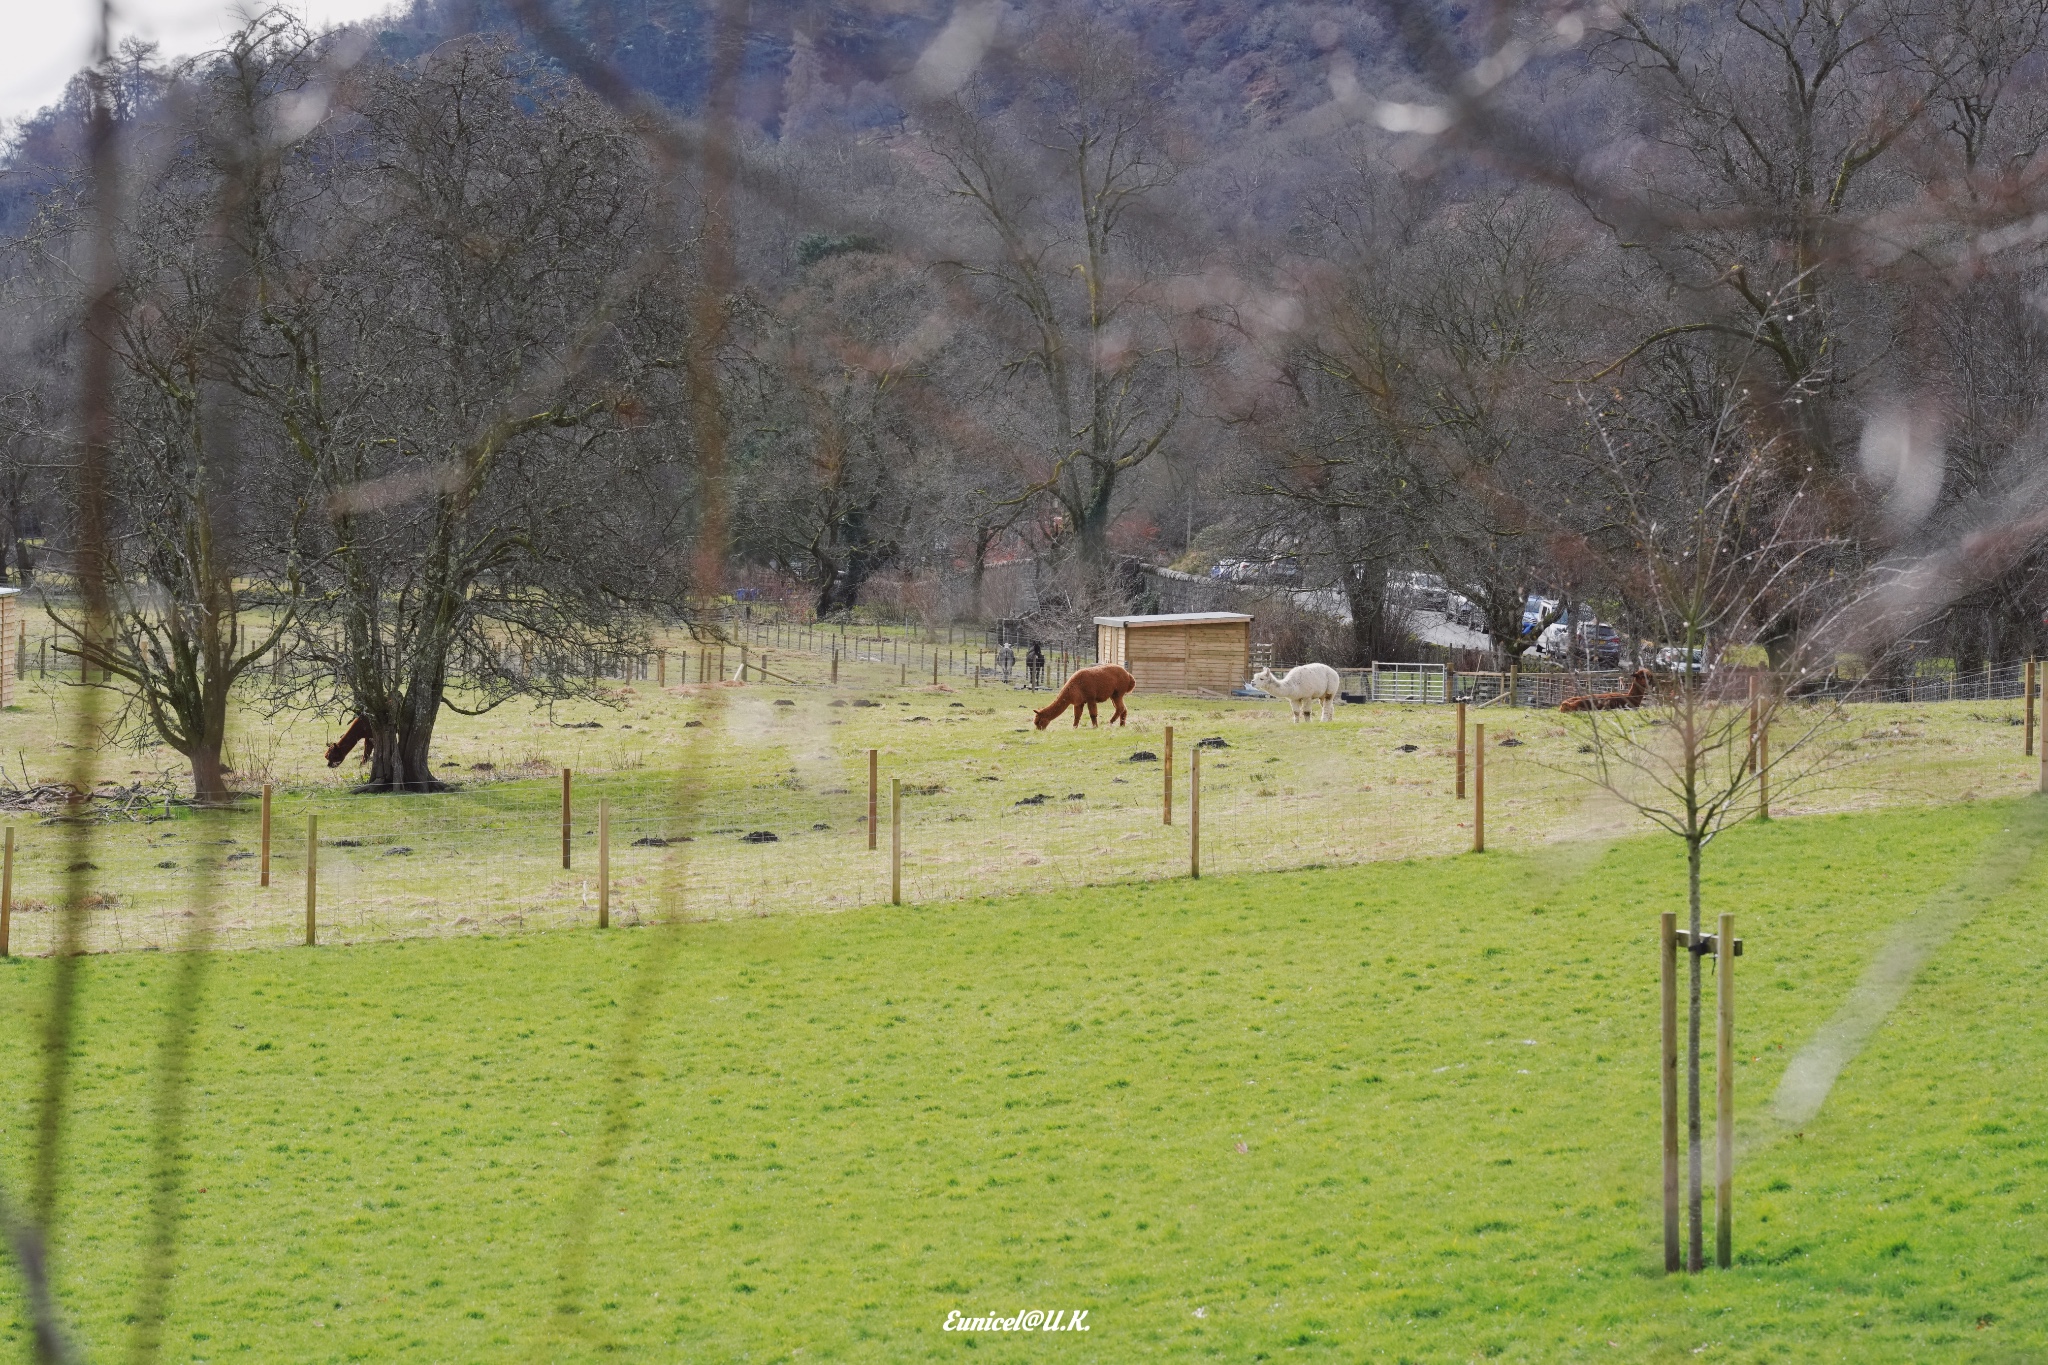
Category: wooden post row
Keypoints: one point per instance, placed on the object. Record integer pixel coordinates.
(1667, 956)
(1166, 787)
(565, 819)
(1479, 788)
(312, 875)
(604, 863)
(263, 863)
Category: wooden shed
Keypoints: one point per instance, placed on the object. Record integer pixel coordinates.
(1192, 651)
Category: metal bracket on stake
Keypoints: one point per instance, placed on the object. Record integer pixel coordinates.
(1708, 945)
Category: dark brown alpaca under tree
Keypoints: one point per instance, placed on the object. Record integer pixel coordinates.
(1088, 687)
(358, 732)
(1638, 688)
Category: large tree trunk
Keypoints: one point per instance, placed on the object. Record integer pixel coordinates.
(209, 778)
(404, 730)
(400, 760)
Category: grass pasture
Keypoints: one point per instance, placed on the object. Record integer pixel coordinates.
(1401, 1111)
(994, 806)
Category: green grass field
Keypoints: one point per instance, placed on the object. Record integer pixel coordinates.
(1403, 1111)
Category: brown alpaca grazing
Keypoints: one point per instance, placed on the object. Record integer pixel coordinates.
(1087, 687)
(357, 732)
(1638, 688)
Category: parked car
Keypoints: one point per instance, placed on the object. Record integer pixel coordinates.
(1535, 609)
(1592, 643)
(1280, 569)
(1672, 659)
(1418, 591)
(1600, 644)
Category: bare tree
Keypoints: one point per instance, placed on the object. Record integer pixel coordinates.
(1716, 546)
(492, 491)
(1060, 184)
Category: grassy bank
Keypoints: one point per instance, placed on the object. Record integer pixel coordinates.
(1402, 1111)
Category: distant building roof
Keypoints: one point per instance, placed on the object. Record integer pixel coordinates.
(1179, 618)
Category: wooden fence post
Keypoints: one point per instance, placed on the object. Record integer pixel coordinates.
(2042, 734)
(895, 841)
(661, 668)
(1750, 762)
(7, 894)
(873, 760)
(263, 866)
(604, 863)
(565, 819)
(1195, 814)
(1667, 956)
(835, 665)
(1763, 764)
(2028, 693)
(1166, 788)
(312, 874)
(743, 663)
(1461, 751)
(1724, 1096)
(1479, 788)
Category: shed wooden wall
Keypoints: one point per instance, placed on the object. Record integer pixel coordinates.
(1203, 657)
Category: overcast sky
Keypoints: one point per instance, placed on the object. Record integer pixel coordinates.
(48, 40)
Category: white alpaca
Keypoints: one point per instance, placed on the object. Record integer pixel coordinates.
(1303, 687)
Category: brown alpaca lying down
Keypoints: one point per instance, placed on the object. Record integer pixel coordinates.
(1088, 686)
(1638, 688)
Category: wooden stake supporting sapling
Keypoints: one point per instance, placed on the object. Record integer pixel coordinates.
(1667, 956)
(874, 759)
(263, 865)
(1728, 947)
(565, 819)
(1195, 813)
(895, 841)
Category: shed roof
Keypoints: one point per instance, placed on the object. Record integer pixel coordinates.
(1179, 618)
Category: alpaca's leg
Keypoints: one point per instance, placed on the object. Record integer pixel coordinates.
(1092, 721)
(1118, 701)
